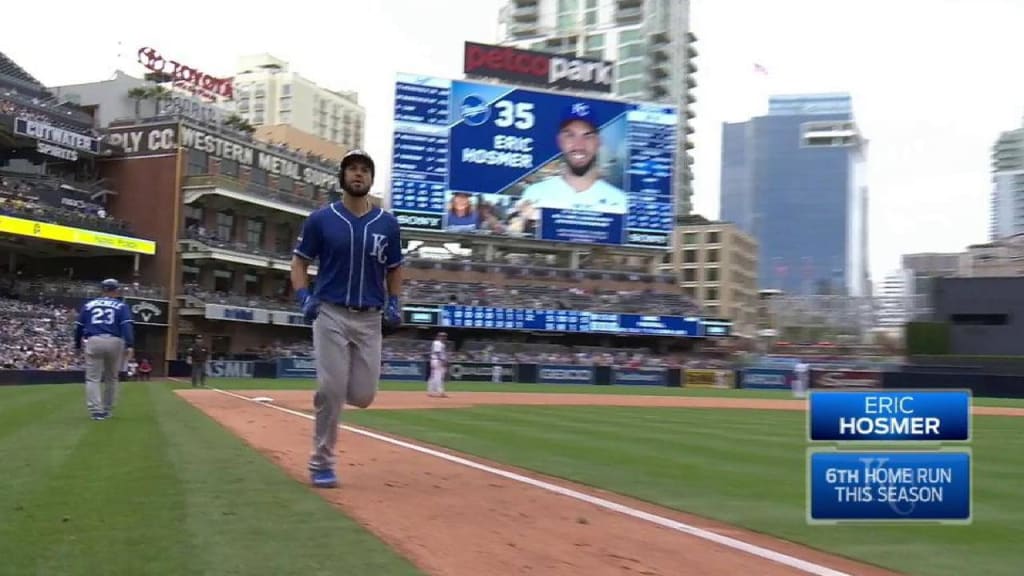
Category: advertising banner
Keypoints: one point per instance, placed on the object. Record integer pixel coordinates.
(565, 374)
(407, 370)
(147, 311)
(766, 378)
(704, 378)
(296, 367)
(282, 318)
(237, 314)
(480, 158)
(543, 69)
(639, 376)
(482, 372)
(230, 368)
(843, 378)
(61, 233)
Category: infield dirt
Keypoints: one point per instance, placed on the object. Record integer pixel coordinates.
(452, 520)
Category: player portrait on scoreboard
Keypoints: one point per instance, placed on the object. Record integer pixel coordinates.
(580, 182)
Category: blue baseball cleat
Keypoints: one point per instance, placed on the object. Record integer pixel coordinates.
(323, 478)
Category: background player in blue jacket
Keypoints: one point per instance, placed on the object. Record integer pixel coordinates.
(359, 248)
(105, 326)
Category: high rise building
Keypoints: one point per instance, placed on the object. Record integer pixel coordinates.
(895, 298)
(290, 109)
(795, 180)
(1007, 185)
(922, 270)
(649, 41)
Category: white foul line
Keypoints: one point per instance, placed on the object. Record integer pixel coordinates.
(778, 557)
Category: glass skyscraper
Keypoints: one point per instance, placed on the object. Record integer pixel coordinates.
(795, 180)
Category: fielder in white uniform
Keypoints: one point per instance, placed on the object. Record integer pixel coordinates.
(438, 366)
(579, 186)
(801, 372)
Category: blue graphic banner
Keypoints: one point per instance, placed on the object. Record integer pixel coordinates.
(296, 367)
(766, 378)
(860, 486)
(473, 157)
(565, 374)
(890, 415)
(230, 368)
(639, 376)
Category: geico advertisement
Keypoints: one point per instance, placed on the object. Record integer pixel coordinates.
(482, 372)
(486, 158)
(565, 374)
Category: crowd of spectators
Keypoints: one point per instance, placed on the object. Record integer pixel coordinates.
(42, 199)
(36, 336)
(537, 297)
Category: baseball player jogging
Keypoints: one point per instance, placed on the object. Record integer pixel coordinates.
(105, 326)
(438, 366)
(800, 379)
(359, 248)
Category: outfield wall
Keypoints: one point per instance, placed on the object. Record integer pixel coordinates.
(758, 378)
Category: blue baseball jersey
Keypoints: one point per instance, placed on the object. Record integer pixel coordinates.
(354, 253)
(105, 316)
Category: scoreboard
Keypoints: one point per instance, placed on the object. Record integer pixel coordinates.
(498, 318)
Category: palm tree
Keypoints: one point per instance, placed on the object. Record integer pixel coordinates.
(138, 94)
(158, 93)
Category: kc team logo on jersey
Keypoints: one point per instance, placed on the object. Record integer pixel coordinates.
(380, 244)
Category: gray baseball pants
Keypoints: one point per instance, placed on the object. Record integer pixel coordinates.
(347, 347)
(104, 357)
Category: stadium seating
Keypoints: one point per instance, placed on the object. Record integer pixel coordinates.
(38, 198)
(36, 336)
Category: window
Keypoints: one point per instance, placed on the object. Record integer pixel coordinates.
(711, 274)
(690, 238)
(627, 69)
(285, 116)
(631, 86)
(711, 255)
(286, 89)
(711, 294)
(223, 281)
(595, 41)
(225, 225)
(285, 184)
(689, 274)
(629, 36)
(690, 256)
(714, 237)
(198, 162)
(254, 232)
(252, 285)
(193, 216)
(283, 239)
(229, 168)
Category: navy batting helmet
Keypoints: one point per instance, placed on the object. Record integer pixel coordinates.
(355, 156)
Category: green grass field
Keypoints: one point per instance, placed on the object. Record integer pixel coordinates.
(198, 501)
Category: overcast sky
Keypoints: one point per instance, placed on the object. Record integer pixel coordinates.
(933, 81)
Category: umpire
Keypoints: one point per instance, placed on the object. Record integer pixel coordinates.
(198, 355)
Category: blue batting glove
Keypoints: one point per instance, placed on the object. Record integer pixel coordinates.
(309, 304)
(393, 313)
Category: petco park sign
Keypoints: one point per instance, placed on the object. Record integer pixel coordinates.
(538, 68)
(186, 77)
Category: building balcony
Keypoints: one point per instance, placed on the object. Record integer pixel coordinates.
(520, 3)
(691, 82)
(197, 186)
(629, 16)
(659, 38)
(524, 30)
(690, 113)
(658, 70)
(525, 14)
